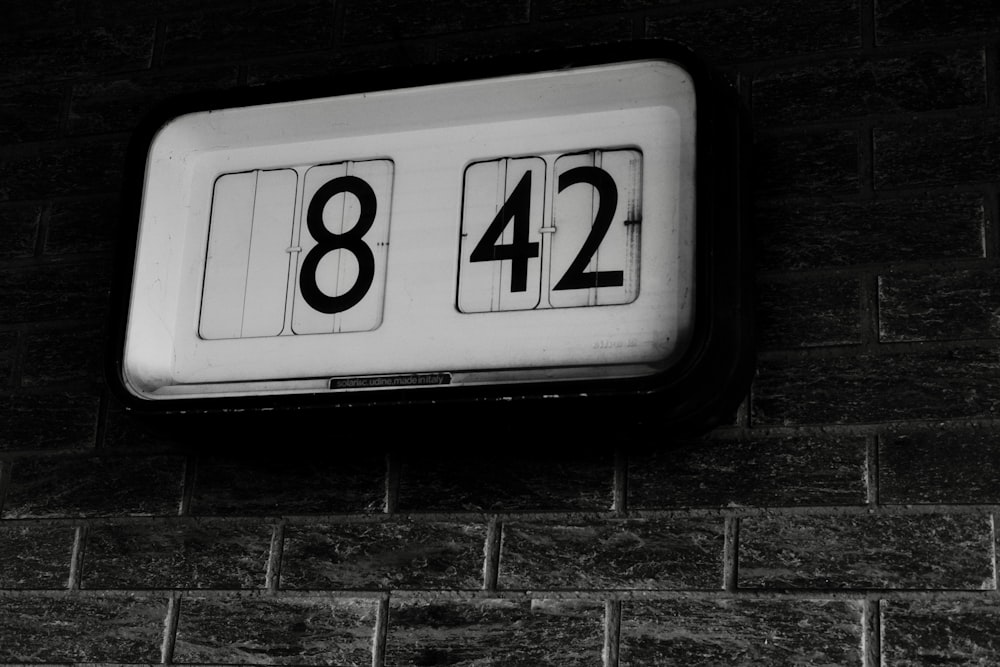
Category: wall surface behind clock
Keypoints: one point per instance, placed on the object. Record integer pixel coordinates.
(844, 515)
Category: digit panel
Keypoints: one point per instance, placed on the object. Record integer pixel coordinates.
(506, 194)
(597, 222)
(246, 266)
(338, 257)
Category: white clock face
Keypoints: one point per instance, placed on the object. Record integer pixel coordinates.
(537, 227)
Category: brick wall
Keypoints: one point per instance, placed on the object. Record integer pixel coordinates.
(845, 516)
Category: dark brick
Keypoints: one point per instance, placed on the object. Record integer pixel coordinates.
(825, 162)
(177, 554)
(51, 170)
(809, 314)
(760, 472)
(54, 292)
(917, 20)
(40, 14)
(554, 9)
(72, 628)
(82, 226)
(873, 551)
(394, 555)
(937, 153)
(337, 63)
(932, 384)
(113, 10)
(228, 486)
(955, 306)
(51, 487)
(33, 56)
(493, 632)
(35, 556)
(940, 632)
(540, 36)
(627, 554)
(839, 89)
(118, 104)
(379, 20)
(48, 421)
(795, 235)
(763, 29)
(939, 466)
(303, 631)
(18, 230)
(30, 112)
(705, 633)
(266, 29)
(51, 357)
(494, 482)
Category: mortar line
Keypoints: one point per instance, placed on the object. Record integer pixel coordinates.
(170, 630)
(74, 583)
(871, 633)
(612, 632)
(381, 632)
(730, 554)
(188, 480)
(277, 550)
(619, 490)
(872, 471)
(392, 473)
(5, 472)
(491, 563)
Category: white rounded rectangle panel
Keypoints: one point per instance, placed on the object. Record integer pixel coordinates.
(525, 230)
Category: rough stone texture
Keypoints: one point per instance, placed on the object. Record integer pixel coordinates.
(336, 63)
(31, 56)
(762, 29)
(823, 161)
(48, 421)
(31, 112)
(35, 557)
(871, 551)
(797, 234)
(809, 314)
(499, 483)
(720, 473)
(956, 306)
(933, 384)
(396, 555)
(70, 355)
(52, 487)
(937, 152)
(845, 88)
(18, 230)
(628, 554)
(940, 632)
(939, 466)
(706, 633)
(118, 104)
(250, 485)
(912, 20)
(289, 631)
(58, 169)
(377, 20)
(83, 226)
(549, 35)
(492, 632)
(263, 29)
(67, 628)
(54, 292)
(176, 554)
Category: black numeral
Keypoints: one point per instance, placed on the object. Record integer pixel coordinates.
(327, 241)
(575, 276)
(516, 208)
